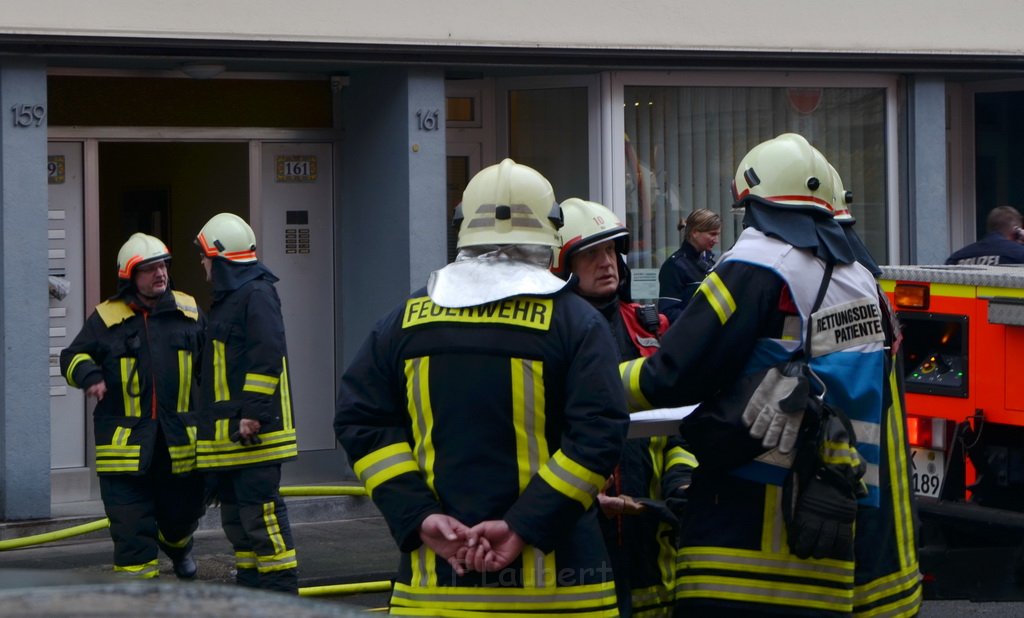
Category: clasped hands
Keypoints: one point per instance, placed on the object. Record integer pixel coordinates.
(488, 546)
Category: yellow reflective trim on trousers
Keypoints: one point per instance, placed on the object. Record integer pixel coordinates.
(132, 405)
(385, 464)
(273, 528)
(718, 296)
(902, 581)
(762, 591)
(286, 396)
(421, 415)
(571, 479)
(464, 598)
(75, 361)
(221, 392)
(246, 560)
(260, 383)
(176, 544)
(147, 570)
(529, 419)
(278, 562)
(184, 380)
(752, 561)
(629, 372)
(678, 456)
(896, 445)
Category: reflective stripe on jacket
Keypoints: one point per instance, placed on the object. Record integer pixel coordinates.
(245, 375)
(146, 358)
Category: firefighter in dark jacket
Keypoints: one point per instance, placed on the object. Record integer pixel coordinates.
(638, 525)
(789, 295)
(135, 356)
(483, 416)
(246, 429)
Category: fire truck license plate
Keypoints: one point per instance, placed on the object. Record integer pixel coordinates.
(928, 468)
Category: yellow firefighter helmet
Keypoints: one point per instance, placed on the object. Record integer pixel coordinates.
(587, 224)
(138, 250)
(508, 204)
(228, 236)
(784, 172)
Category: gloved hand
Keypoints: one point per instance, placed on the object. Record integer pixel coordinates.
(776, 408)
(819, 518)
(252, 440)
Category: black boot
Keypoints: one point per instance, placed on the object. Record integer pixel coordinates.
(185, 567)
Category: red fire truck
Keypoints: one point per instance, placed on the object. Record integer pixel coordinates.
(963, 355)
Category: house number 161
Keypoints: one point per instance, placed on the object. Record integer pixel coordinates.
(27, 115)
(427, 119)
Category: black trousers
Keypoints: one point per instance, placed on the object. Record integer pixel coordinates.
(151, 511)
(255, 520)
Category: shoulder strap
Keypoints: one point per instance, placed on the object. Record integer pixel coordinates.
(825, 279)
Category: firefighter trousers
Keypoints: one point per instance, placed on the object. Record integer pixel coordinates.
(151, 511)
(255, 520)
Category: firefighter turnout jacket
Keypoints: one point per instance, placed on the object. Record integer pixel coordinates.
(655, 470)
(245, 375)
(750, 314)
(145, 357)
(508, 410)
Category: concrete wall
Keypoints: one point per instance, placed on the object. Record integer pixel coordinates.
(392, 210)
(24, 388)
(914, 26)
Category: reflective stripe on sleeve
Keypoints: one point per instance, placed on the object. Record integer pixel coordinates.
(718, 297)
(629, 372)
(76, 360)
(260, 383)
(385, 464)
(571, 479)
(678, 456)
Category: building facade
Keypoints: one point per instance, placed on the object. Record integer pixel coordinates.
(345, 131)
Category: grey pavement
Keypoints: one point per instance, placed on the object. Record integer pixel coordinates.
(339, 540)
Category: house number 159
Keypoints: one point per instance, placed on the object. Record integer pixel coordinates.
(27, 115)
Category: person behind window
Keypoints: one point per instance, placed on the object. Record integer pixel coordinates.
(638, 525)
(683, 271)
(1002, 244)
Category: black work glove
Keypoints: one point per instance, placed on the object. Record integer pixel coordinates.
(250, 441)
(819, 518)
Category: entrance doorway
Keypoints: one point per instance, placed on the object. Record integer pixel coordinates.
(169, 190)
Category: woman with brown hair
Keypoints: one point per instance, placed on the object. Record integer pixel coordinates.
(683, 271)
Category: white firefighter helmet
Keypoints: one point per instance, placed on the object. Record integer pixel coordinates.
(228, 236)
(784, 172)
(508, 204)
(140, 249)
(587, 224)
(842, 199)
